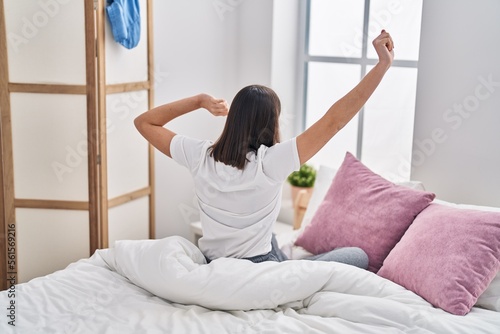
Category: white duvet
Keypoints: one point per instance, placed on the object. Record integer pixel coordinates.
(165, 286)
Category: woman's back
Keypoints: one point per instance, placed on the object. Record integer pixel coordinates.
(238, 207)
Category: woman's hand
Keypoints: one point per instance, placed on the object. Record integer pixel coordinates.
(384, 46)
(217, 107)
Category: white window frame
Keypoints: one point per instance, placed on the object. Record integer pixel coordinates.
(305, 58)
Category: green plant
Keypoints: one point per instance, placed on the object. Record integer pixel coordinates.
(304, 177)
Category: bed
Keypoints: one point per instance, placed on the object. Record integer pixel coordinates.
(165, 286)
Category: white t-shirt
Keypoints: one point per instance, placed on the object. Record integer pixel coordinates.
(237, 207)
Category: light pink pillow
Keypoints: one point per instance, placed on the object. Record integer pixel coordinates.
(362, 209)
(448, 256)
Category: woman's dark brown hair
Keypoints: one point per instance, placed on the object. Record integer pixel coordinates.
(252, 121)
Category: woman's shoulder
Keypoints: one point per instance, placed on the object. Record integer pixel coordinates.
(188, 142)
(279, 160)
(287, 146)
(189, 151)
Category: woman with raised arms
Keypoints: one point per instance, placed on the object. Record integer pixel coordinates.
(239, 177)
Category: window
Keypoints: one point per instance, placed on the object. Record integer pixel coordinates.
(338, 53)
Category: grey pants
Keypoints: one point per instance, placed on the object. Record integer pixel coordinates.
(354, 256)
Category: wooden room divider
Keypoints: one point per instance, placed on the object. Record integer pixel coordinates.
(75, 175)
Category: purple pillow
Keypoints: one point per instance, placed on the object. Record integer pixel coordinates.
(362, 209)
(448, 256)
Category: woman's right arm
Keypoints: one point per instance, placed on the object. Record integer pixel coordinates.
(342, 111)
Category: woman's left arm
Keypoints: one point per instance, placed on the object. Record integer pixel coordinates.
(151, 123)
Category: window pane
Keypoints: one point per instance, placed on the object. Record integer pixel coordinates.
(328, 82)
(336, 28)
(388, 125)
(402, 19)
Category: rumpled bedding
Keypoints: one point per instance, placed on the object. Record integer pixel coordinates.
(165, 286)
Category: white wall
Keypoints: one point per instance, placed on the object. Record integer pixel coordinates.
(285, 69)
(254, 42)
(456, 138)
(216, 47)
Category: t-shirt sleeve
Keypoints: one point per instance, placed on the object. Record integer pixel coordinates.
(187, 151)
(281, 159)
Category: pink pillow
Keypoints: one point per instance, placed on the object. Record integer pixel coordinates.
(362, 209)
(448, 256)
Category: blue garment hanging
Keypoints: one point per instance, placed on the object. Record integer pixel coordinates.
(125, 19)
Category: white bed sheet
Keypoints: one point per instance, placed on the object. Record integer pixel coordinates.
(90, 296)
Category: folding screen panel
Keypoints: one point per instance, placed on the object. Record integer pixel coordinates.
(50, 168)
(74, 173)
(48, 120)
(127, 166)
